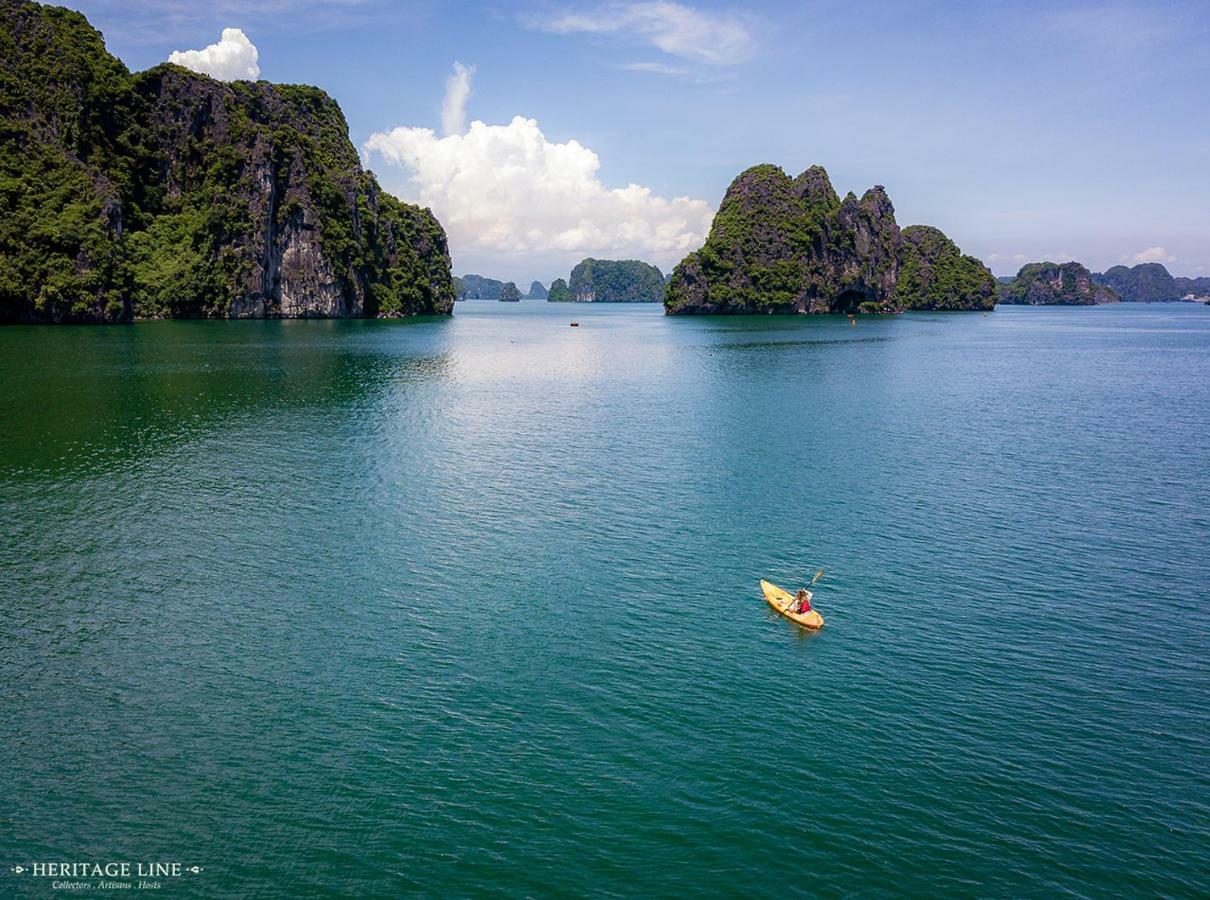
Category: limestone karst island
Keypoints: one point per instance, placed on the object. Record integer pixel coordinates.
(604, 448)
(169, 194)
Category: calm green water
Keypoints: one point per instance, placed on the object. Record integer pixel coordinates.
(471, 606)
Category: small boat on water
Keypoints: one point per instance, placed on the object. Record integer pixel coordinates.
(783, 602)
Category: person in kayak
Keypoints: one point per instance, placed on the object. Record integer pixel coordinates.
(802, 601)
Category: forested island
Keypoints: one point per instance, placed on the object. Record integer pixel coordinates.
(1152, 283)
(785, 245)
(1071, 284)
(609, 281)
(1055, 284)
(169, 194)
(476, 287)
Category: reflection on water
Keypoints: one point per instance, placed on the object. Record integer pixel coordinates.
(469, 606)
(95, 398)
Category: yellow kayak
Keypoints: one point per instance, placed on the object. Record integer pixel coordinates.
(784, 602)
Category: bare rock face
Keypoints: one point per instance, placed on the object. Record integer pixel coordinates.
(782, 245)
(861, 261)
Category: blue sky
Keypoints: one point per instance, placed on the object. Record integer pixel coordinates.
(1024, 130)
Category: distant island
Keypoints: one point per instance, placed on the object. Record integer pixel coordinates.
(1193, 288)
(1055, 284)
(791, 245)
(1152, 283)
(168, 194)
(609, 281)
(476, 287)
(536, 291)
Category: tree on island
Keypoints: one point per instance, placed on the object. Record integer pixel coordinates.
(559, 292)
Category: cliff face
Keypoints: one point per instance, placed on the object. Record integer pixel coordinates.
(170, 194)
(616, 281)
(559, 292)
(792, 245)
(509, 293)
(1055, 284)
(861, 257)
(537, 291)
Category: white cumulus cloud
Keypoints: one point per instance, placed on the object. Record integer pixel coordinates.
(1153, 254)
(457, 93)
(507, 193)
(716, 38)
(233, 58)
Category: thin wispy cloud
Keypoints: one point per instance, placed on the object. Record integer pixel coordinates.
(457, 93)
(695, 74)
(1117, 27)
(695, 35)
(1010, 263)
(656, 68)
(1152, 255)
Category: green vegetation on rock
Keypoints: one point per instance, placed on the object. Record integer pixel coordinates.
(167, 193)
(476, 287)
(781, 245)
(1144, 283)
(559, 292)
(509, 293)
(933, 274)
(1055, 284)
(616, 281)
